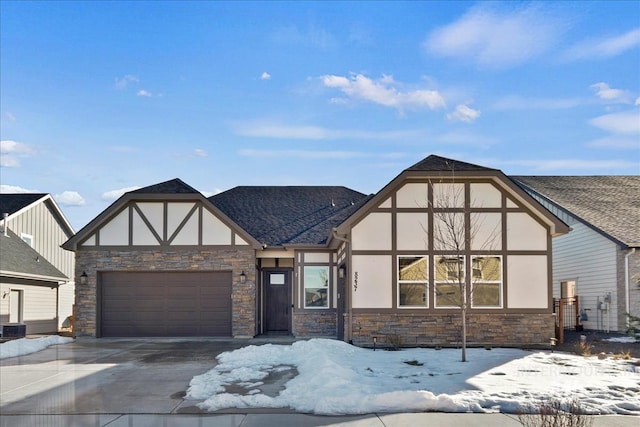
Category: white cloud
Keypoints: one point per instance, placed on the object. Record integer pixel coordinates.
(464, 113)
(265, 129)
(626, 122)
(519, 103)
(265, 76)
(114, 194)
(314, 154)
(8, 161)
(617, 142)
(496, 38)
(383, 92)
(123, 82)
(144, 93)
(10, 151)
(10, 116)
(211, 193)
(8, 146)
(14, 189)
(70, 198)
(199, 152)
(606, 93)
(637, 101)
(605, 47)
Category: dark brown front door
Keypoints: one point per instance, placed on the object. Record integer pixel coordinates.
(277, 301)
(342, 274)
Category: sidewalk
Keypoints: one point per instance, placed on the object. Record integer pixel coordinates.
(287, 420)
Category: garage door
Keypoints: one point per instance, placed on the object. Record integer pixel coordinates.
(165, 304)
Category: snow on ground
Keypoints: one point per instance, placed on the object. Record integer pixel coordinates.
(336, 378)
(625, 340)
(24, 346)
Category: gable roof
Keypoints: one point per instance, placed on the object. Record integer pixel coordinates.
(172, 190)
(173, 186)
(609, 204)
(15, 204)
(21, 260)
(12, 203)
(435, 163)
(437, 167)
(296, 215)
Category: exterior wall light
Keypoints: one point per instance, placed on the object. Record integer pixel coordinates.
(84, 278)
(243, 277)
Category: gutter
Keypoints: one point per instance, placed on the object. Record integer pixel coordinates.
(627, 291)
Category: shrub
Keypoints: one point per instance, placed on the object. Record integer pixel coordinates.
(555, 413)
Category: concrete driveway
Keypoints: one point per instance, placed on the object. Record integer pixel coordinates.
(106, 376)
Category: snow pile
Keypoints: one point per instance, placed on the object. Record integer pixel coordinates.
(24, 346)
(624, 340)
(336, 378)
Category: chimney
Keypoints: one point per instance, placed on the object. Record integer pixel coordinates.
(4, 224)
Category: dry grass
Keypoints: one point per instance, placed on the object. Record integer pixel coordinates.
(555, 413)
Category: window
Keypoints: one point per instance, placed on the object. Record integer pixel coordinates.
(316, 287)
(450, 280)
(413, 281)
(486, 282)
(27, 238)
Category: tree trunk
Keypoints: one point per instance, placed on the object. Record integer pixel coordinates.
(464, 335)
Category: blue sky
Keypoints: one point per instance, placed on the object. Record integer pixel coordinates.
(100, 97)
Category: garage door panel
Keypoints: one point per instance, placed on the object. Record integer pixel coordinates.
(165, 304)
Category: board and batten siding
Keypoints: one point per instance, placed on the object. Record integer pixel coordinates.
(588, 258)
(40, 222)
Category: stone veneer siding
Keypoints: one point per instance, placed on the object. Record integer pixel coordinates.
(444, 329)
(314, 323)
(243, 295)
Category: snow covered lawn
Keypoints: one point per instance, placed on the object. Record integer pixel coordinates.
(24, 346)
(331, 377)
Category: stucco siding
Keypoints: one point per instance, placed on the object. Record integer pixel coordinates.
(588, 258)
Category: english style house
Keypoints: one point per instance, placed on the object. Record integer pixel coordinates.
(165, 260)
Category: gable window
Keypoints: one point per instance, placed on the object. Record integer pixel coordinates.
(413, 281)
(316, 287)
(449, 281)
(27, 238)
(486, 282)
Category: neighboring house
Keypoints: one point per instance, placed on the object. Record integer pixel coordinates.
(598, 260)
(320, 261)
(35, 272)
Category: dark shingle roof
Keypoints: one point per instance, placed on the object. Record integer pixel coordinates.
(608, 203)
(174, 186)
(435, 163)
(289, 215)
(19, 257)
(12, 203)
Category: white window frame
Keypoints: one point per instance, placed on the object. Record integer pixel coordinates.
(424, 282)
(326, 287)
(27, 238)
(475, 281)
(456, 282)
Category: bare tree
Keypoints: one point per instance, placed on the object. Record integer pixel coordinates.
(466, 271)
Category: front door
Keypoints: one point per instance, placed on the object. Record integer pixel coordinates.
(277, 302)
(342, 279)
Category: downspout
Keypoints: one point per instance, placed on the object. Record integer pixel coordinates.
(627, 286)
(5, 217)
(334, 234)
